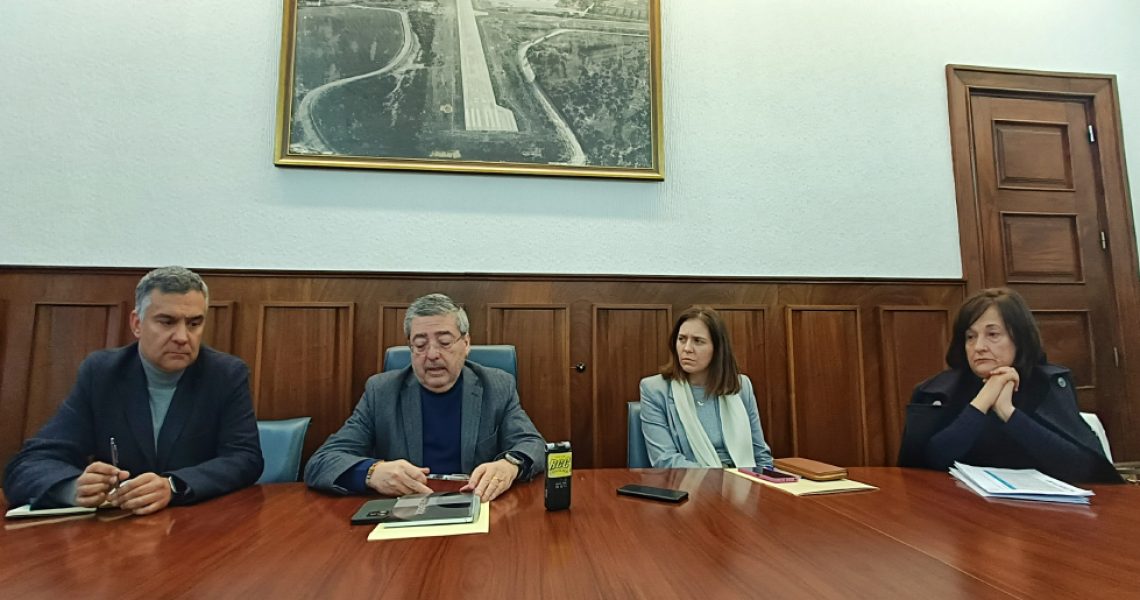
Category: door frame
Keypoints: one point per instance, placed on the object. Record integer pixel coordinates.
(1100, 94)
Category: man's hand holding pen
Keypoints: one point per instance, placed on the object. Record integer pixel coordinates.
(107, 484)
(102, 483)
(94, 486)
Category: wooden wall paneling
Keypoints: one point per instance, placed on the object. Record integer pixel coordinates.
(825, 375)
(1067, 337)
(541, 336)
(9, 438)
(219, 333)
(778, 428)
(59, 336)
(3, 341)
(597, 391)
(629, 343)
(747, 330)
(913, 342)
(63, 334)
(303, 365)
(869, 296)
(17, 371)
(875, 439)
(391, 330)
(581, 378)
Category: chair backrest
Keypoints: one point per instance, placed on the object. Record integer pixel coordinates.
(497, 356)
(1098, 429)
(281, 443)
(636, 457)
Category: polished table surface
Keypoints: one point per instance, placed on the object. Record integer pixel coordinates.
(920, 536)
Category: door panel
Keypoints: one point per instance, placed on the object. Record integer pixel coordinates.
(1040, 218)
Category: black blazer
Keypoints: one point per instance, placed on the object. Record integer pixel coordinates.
(1046, 395)
(208, 440)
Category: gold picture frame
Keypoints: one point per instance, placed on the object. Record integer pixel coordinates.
(526, 87)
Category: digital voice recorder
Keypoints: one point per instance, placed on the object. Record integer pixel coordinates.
(558, 459)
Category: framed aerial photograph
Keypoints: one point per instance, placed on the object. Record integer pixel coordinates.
(538, 87)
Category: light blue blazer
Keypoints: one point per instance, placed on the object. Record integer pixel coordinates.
(665, 438)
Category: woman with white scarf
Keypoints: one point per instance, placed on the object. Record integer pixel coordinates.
(700, 412)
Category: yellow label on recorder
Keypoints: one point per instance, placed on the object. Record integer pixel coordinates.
(558, 465)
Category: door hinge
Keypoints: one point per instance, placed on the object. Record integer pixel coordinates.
(1103, 241)
(1092, 135)
(1116, 356)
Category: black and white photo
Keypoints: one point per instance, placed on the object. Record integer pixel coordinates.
(554, 87)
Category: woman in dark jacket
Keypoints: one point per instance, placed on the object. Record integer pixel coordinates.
(1000, 404)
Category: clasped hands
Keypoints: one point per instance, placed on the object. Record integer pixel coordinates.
(142, 495)
(400, 477)
(997, 392)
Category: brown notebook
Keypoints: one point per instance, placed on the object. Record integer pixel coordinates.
(811, 469)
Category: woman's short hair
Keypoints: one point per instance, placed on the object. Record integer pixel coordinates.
(1019, 324)
(723, 375)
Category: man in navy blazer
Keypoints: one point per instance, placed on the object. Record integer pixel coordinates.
(161, 421)
(443, 415)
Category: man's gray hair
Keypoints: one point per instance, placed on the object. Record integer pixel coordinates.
(167, 280)
(433, 305)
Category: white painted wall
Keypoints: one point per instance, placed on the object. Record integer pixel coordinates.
(803, 139)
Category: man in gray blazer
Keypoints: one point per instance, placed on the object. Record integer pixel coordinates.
(442, 415)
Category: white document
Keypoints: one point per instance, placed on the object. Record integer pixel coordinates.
(1018, 484)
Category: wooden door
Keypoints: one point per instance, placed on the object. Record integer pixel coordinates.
(1041, 223)
(1043, 208)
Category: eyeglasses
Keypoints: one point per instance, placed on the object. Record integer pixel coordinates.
(444, 342)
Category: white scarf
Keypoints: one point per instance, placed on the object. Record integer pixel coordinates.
(734, 426)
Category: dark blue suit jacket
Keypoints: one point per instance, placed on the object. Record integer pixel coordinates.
(208, 439)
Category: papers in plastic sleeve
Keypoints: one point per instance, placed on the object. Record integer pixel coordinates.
(1018, 484)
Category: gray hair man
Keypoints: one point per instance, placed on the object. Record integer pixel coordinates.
(443, 415)
(164, 420)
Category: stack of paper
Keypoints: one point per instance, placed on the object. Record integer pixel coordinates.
(1018, 484)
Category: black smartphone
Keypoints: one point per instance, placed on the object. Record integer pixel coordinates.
(770, 474)
(653, 493)
(373, 511)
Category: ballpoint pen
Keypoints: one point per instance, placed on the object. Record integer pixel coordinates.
(448, 477)
(115, 460)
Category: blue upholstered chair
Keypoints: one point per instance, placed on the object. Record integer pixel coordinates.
(500, 357)
(636, 457)
(281, 443)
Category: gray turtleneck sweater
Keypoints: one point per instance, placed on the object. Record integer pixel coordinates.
(161, 386)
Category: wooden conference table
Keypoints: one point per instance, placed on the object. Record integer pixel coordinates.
(920, 536)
